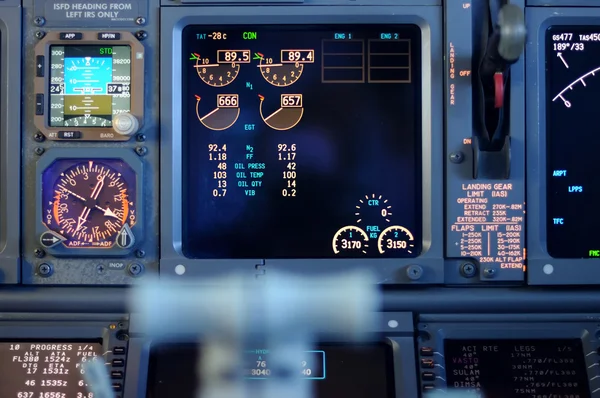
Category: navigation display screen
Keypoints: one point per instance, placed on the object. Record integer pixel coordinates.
(360, 371)
(45, 369)
(301, 142)
(517, 368)
(89, 84)
(573, 194)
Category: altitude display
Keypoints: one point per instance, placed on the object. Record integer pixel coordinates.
(89, 203)
(361, 371)
(517, 368)
(89, 85)
(573, 139)
(45, 369)
(301, 142)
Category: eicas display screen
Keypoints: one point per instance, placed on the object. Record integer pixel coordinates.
(89, 84)
(517, 368)
(572, 139)
(45, 369)
(357, 371)
(301, 142)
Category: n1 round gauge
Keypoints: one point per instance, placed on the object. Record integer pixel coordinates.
(89, 204)
(221, 69)
(286, 70)
(89, 86)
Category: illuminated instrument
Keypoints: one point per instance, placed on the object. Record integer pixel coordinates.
(286, 70)
(89, 204)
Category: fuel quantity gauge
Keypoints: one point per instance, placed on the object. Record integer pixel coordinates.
(350, 240)
(396, 238)
(288, 69)
(89, 204)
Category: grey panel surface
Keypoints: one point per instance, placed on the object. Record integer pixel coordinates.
(542, 269)
(485, 217)
(81, 269)
(10, 140)
(304, 2)
(396, 329)
(174, 19)
(98, 13)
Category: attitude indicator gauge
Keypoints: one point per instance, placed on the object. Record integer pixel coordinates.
(224, 115)
(396, 238)
(89, 86)
(286, 116)
(221, 70)
(89, 204)
(288, 69)
(350, 240)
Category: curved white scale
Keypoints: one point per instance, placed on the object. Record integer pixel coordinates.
(339, 233)
(579, 79)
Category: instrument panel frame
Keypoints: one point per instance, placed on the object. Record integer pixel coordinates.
(41, 83)
(10, 141)
(393, 328)
(388, 271)
(542, 269)
(435, 328)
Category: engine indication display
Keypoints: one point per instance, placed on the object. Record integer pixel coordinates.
(572, 167)
(89, 84)
(277, 165)
(89, 204)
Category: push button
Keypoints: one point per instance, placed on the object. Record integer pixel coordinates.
(427, 363)
(428, 376)
(116, 374)
(118, 363)
(426, 351)
(39, 104)
(40, 66)
(428, 387)
(69, 135)
(117, 387)
(119, 350)
(70, 35)
(109, 36)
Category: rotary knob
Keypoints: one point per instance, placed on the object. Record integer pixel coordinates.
(125, 124)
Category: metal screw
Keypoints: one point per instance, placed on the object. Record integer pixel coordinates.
(468, 270)
(141, 150)
(45, 269)
(489, 272)
(39, 21)
(457, 157)
(135, 269)
(39, 35)
(122, 335)
(100, 268)
(39, 151)
(140, 20)
(140, 253)
(39, 137)
(140, 137)
(414, 272)
(141, 34)
(39, 253)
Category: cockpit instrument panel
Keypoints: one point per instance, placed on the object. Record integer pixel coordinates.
(10, 114)
(354, 371)
(301, 141)
(91, 88)
(573, 193)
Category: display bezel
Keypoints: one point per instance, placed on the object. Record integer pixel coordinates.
(439, 328)
(429, 19)
(10, 141)
(542, 269)
(131, 160)
(42, 86)
(400, 337)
